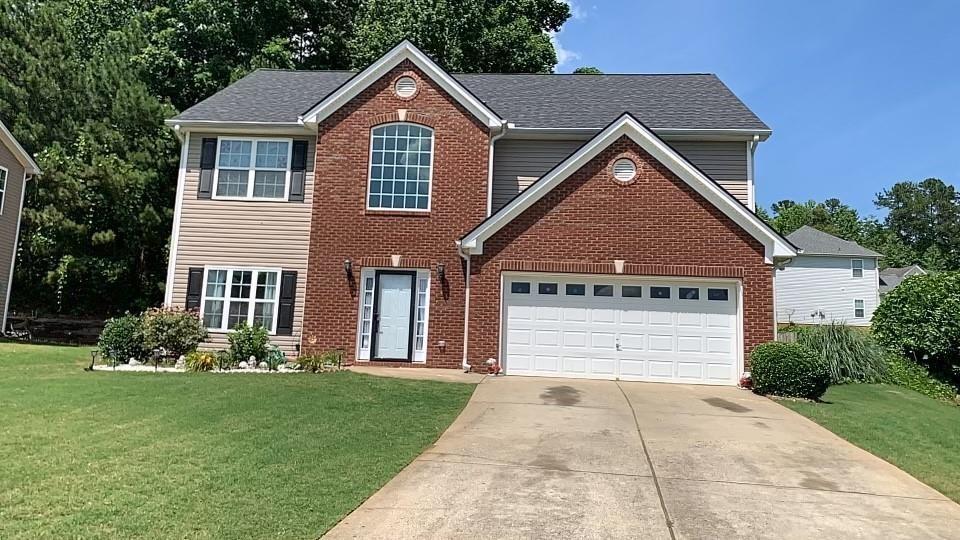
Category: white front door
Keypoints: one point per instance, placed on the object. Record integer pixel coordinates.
(394, 297)
(614, 327)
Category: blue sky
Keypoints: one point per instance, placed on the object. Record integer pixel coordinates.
(860, 94)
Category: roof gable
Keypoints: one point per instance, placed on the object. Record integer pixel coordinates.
(626, 125)
(18, 151)
(403, 51)
(816, 242)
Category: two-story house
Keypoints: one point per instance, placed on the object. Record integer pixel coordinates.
(565, 225)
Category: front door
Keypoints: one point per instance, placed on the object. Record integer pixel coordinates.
(393, 316)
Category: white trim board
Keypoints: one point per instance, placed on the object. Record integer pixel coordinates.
(403, 51)
(775, 246)
(18, 152)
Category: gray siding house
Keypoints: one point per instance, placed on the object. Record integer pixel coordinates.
(16, 167)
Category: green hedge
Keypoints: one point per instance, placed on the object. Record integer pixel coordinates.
(789, 370)
(908, 374)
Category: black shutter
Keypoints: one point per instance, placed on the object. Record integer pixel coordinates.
(208, 160)
(288, 293)
(194, 288)
(298, 170)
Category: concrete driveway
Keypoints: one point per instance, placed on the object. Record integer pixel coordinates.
(558, 458)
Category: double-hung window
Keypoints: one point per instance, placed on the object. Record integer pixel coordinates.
(858, 310)
(235, 295)
(857, 266)
(253, 168)
(401, 167)
(3, 187)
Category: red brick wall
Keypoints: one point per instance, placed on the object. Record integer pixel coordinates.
(657, 224)
(343, 229)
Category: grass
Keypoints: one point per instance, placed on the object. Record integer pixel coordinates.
(144, 455)
(916, 433)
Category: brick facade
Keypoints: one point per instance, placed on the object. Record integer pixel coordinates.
(342, 228)
(656, 223)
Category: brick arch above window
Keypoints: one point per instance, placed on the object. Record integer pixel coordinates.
(409, 117)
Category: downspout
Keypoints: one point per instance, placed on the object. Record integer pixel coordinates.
(494, 139)
(751, 171)
(466, 308)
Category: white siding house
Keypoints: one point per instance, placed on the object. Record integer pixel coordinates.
(832, 280)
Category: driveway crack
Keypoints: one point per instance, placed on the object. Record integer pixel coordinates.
(653, 472)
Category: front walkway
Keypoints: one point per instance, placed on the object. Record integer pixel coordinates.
(549, 458)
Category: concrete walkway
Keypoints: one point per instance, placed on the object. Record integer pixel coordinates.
(557, 458)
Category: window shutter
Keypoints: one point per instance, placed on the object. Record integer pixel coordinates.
(208, 160)
(288, 294)
(194, 288)
(298, 170)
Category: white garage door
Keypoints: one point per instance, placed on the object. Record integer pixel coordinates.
(601, 327)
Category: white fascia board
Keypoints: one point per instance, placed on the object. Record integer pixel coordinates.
(626, 125)
(519, 132)
(241, 128)
(18, 151)
(403, 51)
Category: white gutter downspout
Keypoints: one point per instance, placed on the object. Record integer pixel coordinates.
(494, 139)
(751, 173)
(465, 364)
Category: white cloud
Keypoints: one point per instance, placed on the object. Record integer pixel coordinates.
(563, 55)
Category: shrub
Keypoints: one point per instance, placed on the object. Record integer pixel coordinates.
(921, 319)
(246, 341)
(201, 361)
(224, 360)
(122, 338)
(327, 361)
(909, 374)
(275, 358)
(788, 369)
(176, 331)
(850, 354)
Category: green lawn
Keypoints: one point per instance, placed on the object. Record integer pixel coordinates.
(120, 455)
(918, 434)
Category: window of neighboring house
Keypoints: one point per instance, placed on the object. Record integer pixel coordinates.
(401, 167)
(3, 187)
(235, 295)
(857, 265)
(858, 310)
(252, 168)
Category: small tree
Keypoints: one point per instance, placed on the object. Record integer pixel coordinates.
(177, 331)
(588, 70)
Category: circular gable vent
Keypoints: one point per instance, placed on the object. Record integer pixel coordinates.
(405, 87)
(624, 170)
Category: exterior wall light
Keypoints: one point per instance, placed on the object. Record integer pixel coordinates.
(441, 271)
(348, 267)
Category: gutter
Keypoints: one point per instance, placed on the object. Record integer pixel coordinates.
(465, 364)
(503, 131)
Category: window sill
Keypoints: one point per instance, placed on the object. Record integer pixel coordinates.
(406, 213)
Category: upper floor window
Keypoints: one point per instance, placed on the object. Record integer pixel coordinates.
(252, 168)
(857, 265)
(401, 167)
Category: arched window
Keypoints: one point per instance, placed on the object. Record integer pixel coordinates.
(401, 167)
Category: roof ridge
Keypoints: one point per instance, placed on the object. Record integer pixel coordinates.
(619, 74)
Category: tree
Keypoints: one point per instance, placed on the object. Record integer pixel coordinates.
(466, 35)
(925, 216)
(830, 216)
(588, 70)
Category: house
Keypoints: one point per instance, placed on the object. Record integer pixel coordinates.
(16, 168)
(891, 277)
(831, 280)
(574, 226)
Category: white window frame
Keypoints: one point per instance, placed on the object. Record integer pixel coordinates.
(3, 190)
(863, 308)
(252, 169)
(252, 301)
(419, 355)
(433, 160)
(853, 268)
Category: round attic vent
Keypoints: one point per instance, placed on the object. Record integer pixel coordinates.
(405, 87)
(624, 170)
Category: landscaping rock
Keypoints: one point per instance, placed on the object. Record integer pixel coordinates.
(243, 365)
(181, 363)
(263, 365)
(134, 362)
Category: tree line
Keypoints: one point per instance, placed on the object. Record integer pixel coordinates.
(85, 85)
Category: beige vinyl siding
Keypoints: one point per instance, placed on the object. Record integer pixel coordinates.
(517, 163)
(264, 234)
(9, 218)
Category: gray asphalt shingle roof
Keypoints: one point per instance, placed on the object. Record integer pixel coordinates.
(816, 242)
(683, 101)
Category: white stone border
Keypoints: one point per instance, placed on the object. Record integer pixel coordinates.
(126, 368)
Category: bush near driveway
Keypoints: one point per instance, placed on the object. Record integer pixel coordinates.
(788, 370)
(850, 354)
(921, 319)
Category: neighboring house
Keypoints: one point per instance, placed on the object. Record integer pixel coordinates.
(832, 280)
(405, 214)
(16, 167)
(891, 277)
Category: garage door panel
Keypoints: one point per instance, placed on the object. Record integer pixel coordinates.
(593, 335)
